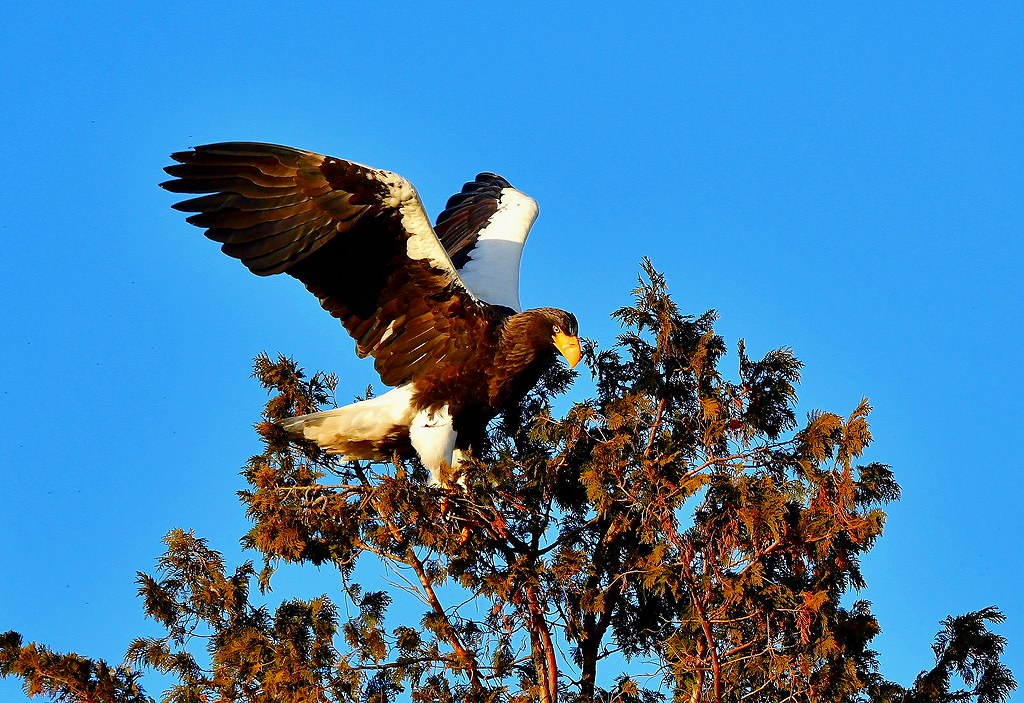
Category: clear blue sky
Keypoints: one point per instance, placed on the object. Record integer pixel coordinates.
(845, 179)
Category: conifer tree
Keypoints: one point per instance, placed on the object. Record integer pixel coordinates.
(681, 520)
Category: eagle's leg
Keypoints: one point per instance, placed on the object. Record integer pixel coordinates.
(433, 437)
(459, 456)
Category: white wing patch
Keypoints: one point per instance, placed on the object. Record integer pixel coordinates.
(423, 242)
(492, 273)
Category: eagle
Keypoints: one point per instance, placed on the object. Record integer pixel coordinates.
(437, 307)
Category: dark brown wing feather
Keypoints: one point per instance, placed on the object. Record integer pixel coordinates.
(357, 237)
(466, 213)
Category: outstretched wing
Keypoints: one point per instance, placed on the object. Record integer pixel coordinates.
(484, 229)
(358, 237)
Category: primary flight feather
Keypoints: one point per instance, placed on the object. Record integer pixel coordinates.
(436, 307)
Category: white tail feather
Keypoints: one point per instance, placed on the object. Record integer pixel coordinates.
(352, 430)
(357, 431)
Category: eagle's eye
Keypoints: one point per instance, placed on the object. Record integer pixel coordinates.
(557, 329)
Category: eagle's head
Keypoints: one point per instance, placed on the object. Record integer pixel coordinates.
(563, 330)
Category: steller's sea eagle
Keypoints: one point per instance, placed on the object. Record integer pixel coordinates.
(436, 307)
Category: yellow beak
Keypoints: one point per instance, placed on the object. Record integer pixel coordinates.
(569, 345)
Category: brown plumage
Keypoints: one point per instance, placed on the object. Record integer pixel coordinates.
(361, 242)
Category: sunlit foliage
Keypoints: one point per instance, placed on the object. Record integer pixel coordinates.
(683, 520)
